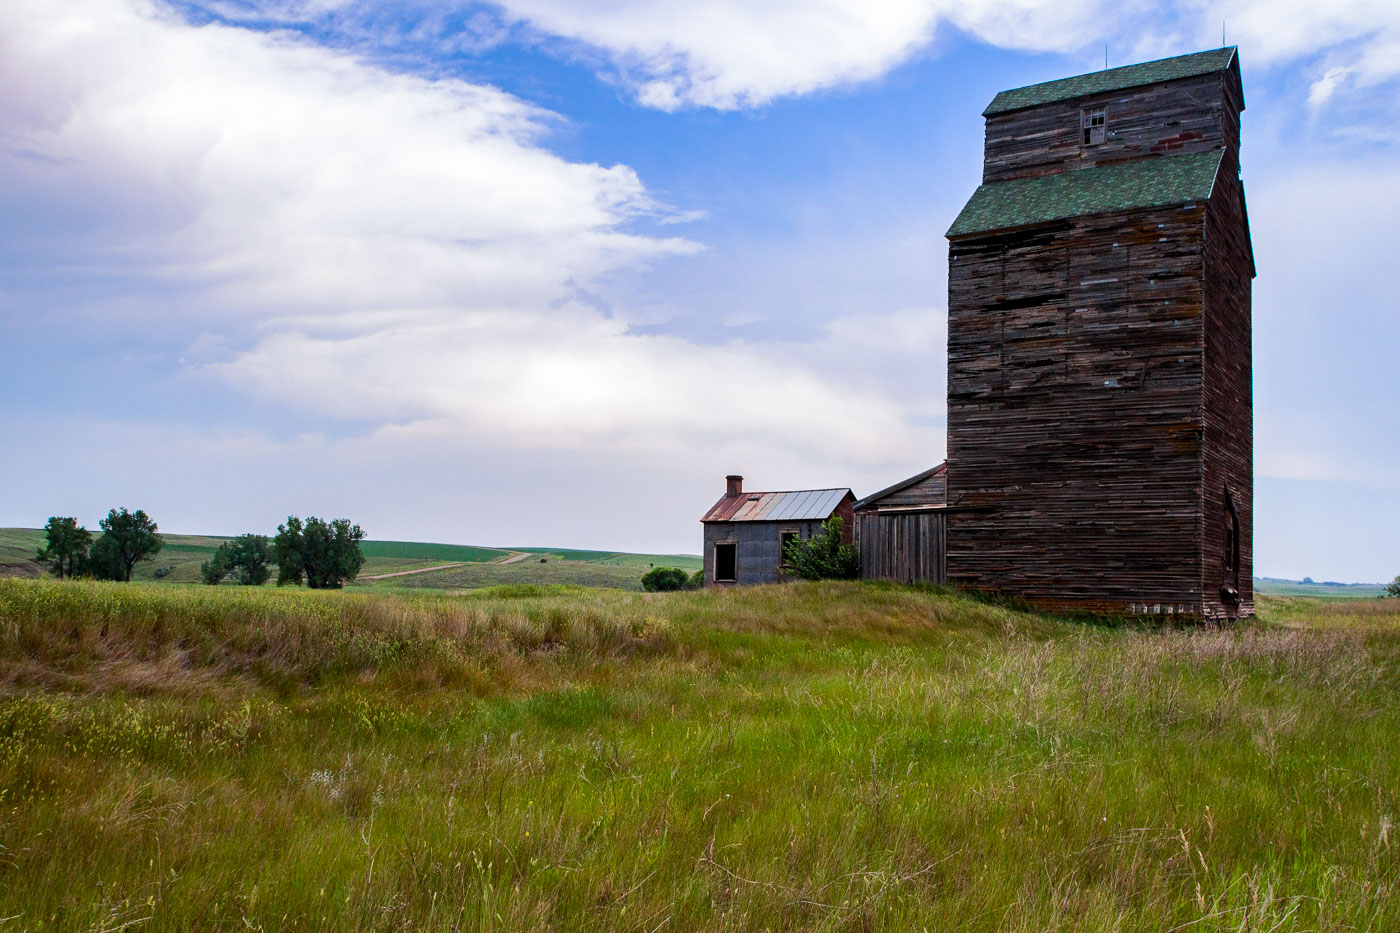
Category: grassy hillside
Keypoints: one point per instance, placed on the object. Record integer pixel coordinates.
(641, 562)
(807, 756)
(528, 571)
(179, 560)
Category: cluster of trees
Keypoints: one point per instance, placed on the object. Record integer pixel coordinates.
(127, 538)
(244, 559)
(1393, 590)
(322, 554)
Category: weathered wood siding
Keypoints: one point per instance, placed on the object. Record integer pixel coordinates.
(932, 490)
(1075, 411)
(1099, 376)
(906, 547)
(1186, 115)
(1229, 403)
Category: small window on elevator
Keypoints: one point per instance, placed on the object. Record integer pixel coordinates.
(1094, 125)
(725, 563)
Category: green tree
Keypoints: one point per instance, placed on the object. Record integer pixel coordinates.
(1394, 588)
(665, 580)
(824, 556)
(697, 580)
(215, 569)
(127, 537)
(326, 555)
(66, 546)
(249, 556)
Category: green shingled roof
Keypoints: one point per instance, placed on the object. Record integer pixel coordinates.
(1024, 202)
(1113, 79)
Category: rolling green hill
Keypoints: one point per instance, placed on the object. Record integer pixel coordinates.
(463, 566)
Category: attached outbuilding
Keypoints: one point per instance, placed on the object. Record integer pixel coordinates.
(745, 533)
(902, 530)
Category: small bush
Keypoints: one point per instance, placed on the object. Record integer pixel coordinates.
(665, 580)
(824, 556)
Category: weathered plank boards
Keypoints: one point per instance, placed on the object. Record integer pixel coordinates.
(1188, 115)
(1099, 400)
(904, 546)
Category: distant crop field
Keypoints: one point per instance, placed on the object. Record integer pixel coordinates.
(796, 757)
(530, 571)
(417, 551)
(643, 562)
(1328, 590)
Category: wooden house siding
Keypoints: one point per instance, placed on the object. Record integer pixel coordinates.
(904, 546)
(929, 491)
(1188, 115)
(901, 530)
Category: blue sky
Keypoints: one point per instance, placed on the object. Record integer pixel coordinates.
(541, 272)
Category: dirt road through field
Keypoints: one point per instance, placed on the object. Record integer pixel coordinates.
(404, 573)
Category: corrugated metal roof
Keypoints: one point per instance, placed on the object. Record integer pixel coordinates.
(794, 506)
(1023, 202)
(1113, 79)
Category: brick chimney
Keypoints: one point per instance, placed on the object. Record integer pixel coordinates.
(733, 485)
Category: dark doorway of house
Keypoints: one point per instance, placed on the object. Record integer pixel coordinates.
(724, 563)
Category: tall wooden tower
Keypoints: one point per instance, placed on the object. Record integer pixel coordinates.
(1100, 414)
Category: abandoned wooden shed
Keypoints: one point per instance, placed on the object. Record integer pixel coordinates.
(745, 533)
(901, 530)
(1100, 427)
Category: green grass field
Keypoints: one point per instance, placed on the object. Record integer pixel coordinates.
(806, 756)
(1270, 587)
(179, 561)
(528, 571)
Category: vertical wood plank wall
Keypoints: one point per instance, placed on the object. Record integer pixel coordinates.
(906, 547)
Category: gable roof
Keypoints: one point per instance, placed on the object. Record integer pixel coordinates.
(796, 506)
(902, 484)
(1023, 202)
(1113, 79)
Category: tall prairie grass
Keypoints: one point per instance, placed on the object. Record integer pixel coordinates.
(826, 757)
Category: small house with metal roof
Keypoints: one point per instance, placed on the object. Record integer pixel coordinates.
(746, 532)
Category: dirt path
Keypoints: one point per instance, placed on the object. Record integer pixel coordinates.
(404, 573)
(519, 556)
